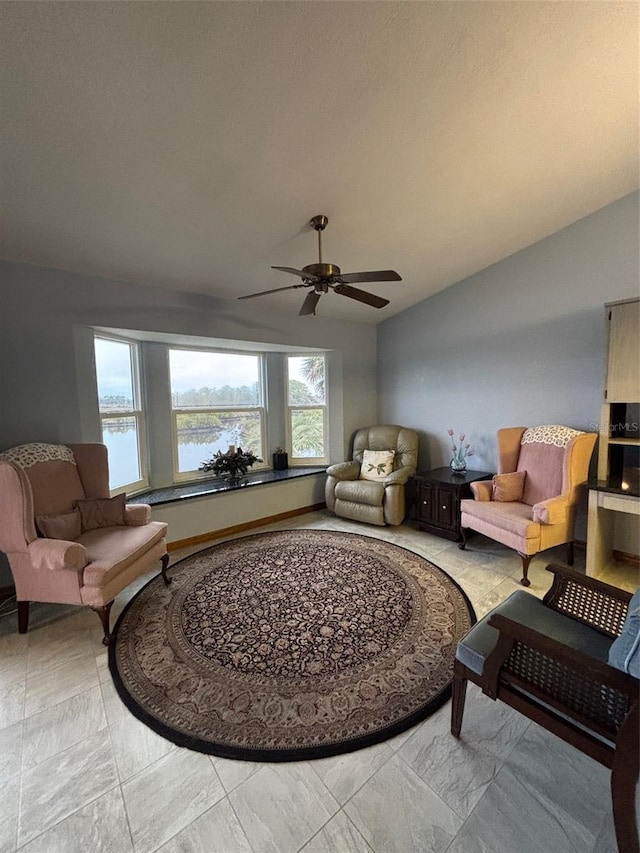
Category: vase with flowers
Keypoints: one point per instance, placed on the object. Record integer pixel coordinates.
(459, 452)
(232, 465)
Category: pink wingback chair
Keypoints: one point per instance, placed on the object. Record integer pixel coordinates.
(553, 462)
(40, 487)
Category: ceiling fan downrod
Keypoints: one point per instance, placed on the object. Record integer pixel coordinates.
(321, 270)
(319, 223)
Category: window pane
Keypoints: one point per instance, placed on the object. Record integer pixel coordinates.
(200, 435)
(115, 381)
(306, 380)
(202, 380)
(307, 432)
(121, 437)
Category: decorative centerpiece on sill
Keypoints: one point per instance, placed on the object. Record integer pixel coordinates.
(232, 465)
(460, 451)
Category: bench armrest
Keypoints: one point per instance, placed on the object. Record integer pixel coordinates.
(582, 687)
(592, 602)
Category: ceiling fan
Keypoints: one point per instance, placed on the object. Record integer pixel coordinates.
(322, 277)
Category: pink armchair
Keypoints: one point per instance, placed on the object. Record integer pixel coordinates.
(533, 507)
(66, 540)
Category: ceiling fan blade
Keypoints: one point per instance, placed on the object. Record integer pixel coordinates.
(275, 290)
(360, 295)
(372, 275)
(308, 276)
(309, 304)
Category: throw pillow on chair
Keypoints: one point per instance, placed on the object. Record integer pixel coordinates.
(376, 464)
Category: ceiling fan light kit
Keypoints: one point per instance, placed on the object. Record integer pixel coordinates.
(324, 277)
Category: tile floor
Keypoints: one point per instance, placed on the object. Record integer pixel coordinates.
(79, 773)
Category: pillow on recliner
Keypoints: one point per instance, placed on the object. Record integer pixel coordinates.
(60, 525)
(508, 487)
(376, 464)
(101, 512)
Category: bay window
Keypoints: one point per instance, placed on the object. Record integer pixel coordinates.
(217, 401)
(165, 408)
(306, 409)
(121, 417)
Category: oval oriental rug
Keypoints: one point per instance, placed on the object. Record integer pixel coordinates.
(290, 645)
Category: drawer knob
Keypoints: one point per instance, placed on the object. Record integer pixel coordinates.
(444, 506)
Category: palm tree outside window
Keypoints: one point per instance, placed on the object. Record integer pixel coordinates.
(307, 409)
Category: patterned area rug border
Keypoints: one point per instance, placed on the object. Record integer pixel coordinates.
(184, 649)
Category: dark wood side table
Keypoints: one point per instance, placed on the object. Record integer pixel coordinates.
(435, 497)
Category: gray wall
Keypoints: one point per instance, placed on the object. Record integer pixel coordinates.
(44, 351)
(520, 343)
(46, 355)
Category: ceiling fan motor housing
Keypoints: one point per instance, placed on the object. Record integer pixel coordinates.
(322, 270)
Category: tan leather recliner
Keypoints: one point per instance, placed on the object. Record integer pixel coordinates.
(375, 502)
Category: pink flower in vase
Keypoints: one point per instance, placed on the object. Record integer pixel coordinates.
(459, 451)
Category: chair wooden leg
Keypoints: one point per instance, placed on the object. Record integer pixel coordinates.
(526, 559)
(624, 777)
(103, 614)
(23, 617)
(163, 570)
(570, 552)
(463, 532)
(457, 702)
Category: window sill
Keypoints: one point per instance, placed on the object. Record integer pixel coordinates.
(171, 494)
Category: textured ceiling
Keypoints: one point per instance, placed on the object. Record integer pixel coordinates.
(186, 145)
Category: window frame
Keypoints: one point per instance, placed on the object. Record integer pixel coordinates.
(300, 461)
(195, 475)
(137, 413)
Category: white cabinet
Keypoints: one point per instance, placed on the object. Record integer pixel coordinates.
(623, 362)
(617, 490)
(619, 443)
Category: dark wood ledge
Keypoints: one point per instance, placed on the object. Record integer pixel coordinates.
(202, 488)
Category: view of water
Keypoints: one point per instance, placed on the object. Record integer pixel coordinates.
(192, 452)
(123, 456)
